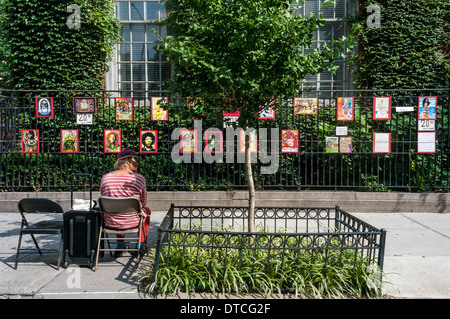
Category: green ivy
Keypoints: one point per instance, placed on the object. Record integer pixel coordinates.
(41, 51)
(409, 50)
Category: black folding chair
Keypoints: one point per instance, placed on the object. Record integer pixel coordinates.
(48, 227)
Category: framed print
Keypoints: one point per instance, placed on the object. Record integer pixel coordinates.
(230, 112)
(269, 112)
(197, 104)
(158, 112)
(382, 108)
(345, 144)
(29, 141)
(84, 105)
(112, 141)
(332, 144)
(69, 141)
(44, 106)
(427, 107)
(381, 142)
(148, 141)
(188, 139)
(213, 142)
(306, 105)
(426, 142)
(345, 109)
(124, 108)
(289, 141)
(253, 141)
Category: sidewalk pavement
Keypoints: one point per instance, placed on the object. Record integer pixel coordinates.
(417, 262)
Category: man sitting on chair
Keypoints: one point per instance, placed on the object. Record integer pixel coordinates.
(124, 181)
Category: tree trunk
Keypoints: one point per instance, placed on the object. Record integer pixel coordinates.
(251, 186)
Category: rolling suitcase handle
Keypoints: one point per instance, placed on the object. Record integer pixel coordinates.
(90, 188)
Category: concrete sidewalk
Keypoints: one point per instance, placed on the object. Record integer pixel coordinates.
(417, 262)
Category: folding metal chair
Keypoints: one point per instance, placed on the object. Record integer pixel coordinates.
(122, 206)
(48, 227)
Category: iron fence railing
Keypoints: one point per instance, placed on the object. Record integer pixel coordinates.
(319, 236)
(404, 168)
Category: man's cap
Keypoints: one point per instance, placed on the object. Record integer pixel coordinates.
(125, 153)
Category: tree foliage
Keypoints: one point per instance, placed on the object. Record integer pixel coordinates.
(41, 51)
(409, 50)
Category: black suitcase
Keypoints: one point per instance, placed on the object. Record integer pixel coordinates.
(81, 231)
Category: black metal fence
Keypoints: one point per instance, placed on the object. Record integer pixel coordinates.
(403, 168)
(288, 239)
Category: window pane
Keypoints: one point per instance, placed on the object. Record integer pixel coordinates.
(152, 54)
(137, 10)
(125, 89)
(124, 72)
(137, 87)
(124, 52)
(153, 72)
(138, 32)
(125, 32)
(122, 11)
(138, 52)
(163, 10)
(151, 36)
(152, 10)
(138, 72)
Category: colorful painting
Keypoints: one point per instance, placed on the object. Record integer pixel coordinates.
(213, 142)
(44, 106)
(112, 141)
(332, 144)
(382, 108)
(268, 113)
(253, 141)
(345, 144)
(197, 104)
(427, 107)
(30, 141)
(188, 139)
(306, 105)
(69, 141)
(159, 113)
(345, 109)
(148, 141)
(289, 141)
(84, 105)
(124, 108)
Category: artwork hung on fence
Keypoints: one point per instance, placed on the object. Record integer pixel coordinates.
(112, 141)
(213, 142)
(44, 106)
(30, 141)
(345, 109)
(426, 142)
(253, 141)
(69, 141)
(345, 144)
(196, 104)
(289, 141)
(188, 141)
(124, 108)
(427, 107)
(332, 144)
(148, 141)
(306, 106)
(382, 108)
(268, 113)
(84, 105)
(381, 142)
(159, 110)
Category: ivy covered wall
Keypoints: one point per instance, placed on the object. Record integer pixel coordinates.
(45, 48)
(409, 50)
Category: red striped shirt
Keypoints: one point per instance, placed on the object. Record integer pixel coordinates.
(129, 185)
